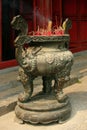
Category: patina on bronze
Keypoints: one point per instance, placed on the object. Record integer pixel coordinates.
(49, 57)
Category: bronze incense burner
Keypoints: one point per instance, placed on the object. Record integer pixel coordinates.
(48, 57)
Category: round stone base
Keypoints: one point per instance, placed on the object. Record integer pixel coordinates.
(43, 109)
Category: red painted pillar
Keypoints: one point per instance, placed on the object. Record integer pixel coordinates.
(34, 16)
(42, 12)
(48, 9)
(60, 11)
(0, 30)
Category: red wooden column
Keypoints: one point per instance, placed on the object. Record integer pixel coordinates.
(57, 13)
(60, 6)
(42, 12)
(47, 9)
(0, 30)
(34, 16)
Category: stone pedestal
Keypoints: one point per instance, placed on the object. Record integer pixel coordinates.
(44, 109)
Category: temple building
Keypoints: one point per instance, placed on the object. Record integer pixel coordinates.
(37, 13)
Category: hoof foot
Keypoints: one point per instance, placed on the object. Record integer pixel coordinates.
(61, 97)
(24, 97)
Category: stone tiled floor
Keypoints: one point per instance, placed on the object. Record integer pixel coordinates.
(78, 120)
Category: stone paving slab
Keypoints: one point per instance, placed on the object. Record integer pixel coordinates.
(78, 120)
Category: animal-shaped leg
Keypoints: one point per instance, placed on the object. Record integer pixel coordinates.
(58, 86)
(47, 84)
(27, 82)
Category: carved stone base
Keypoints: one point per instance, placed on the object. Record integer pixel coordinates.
(43, 109)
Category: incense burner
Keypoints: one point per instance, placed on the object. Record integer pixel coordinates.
(48, 57)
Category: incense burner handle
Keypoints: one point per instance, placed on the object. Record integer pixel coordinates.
(20, 24)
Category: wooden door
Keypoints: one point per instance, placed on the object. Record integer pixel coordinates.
(26, 10)
(8, 9)
(76, 10)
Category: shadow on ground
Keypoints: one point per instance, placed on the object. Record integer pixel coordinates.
(78, 101)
